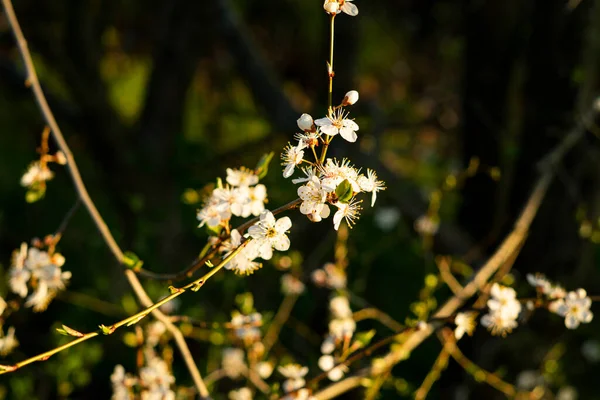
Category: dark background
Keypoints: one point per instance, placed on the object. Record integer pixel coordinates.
(157, 97)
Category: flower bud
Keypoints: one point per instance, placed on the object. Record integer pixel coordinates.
(350, 98)
(306, 123)
(331, 6)
(60, 158)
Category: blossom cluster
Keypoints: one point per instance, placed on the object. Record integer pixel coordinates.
(38, 172)
(266, 234)
(295, 381)
(241, 197)
(154, 380)
(329, 181)
(39, 270)
(503, 310)
(573, 306)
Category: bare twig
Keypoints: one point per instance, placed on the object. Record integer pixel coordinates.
(285, 309)
(34, 84)
(443, 264)
(441, 363)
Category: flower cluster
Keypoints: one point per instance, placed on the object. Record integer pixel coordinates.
(40, 270)
(465, 323)
(154, 380)
(38, 172)
(267, 234)
(337, 6)
(503, 310)
(329, 181)
(295, 382)
(246, 327)
(341, 328)
(573, 306)
(241, 197)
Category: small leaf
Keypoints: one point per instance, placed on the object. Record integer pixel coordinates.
(174, 290)
(262, 167)
(209, 264)
(344, 191)
(65, 330)
(196, 286)
(131, 260)
(34, 195)
(107, 330)
(363, 339)
(214, 230)
(135, 321)
(219, 183)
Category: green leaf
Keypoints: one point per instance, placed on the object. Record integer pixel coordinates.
(262, 167)
(65, 330)
(107, 330)
(362, 339)
(344, 191)
(34, 195)
(131, 260)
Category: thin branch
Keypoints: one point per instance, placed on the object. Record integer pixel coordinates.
(443, 264)
(283, 313)
(440, 364)
(507, 249)
(211, 251)
(33, 82)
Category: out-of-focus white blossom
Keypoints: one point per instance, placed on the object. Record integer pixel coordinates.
(529, 380)
(545, 287)
(425, 225)
(264, 369)
(567, 393)
(504, 309)
(270, 234)
(330, 276)
(327, 364)
(295, 376)
(241, 394)
(233, 362)
(387, 218)
(8, 341)
(290, 285)
(338, 123)
(328, 345)
(155, 378)
(121, 384)
(465, 323)
(575, 308)
(42, 270)
(246, 327)
(154, 331)
(342, 326)
(36, 173)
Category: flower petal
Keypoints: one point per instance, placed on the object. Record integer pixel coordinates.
(330, 130)
(283, 224)
(350, 9)
(348, 134)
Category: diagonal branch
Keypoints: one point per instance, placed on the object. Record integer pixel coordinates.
(33, 83)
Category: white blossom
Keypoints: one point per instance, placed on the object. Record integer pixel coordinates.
(338, 123)
(306, 123)
(233, 362)
(8, 342)
(264, 369)
(330, 276)
(121, 384)
(246, 327)
(504, 310)
(333, 173)
(348, 211)
(270, 234)
(36, 173)
(350, 98)
(256, 205)
(340, 307)
(370, 183)
(241, 394)
(465, 323)
(18, 274)
(327, 364)
(575, 308)
(337, 6)
(291, 156)
(295, 376)
(241, 177)
(290, 285)
(314, 198)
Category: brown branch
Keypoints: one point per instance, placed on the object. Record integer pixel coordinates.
(440, 364)
(507, 249)
(443, 264)
(33, 83)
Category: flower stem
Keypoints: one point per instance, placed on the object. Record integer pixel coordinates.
(330, 66)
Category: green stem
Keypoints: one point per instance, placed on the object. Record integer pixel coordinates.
(330, 71)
